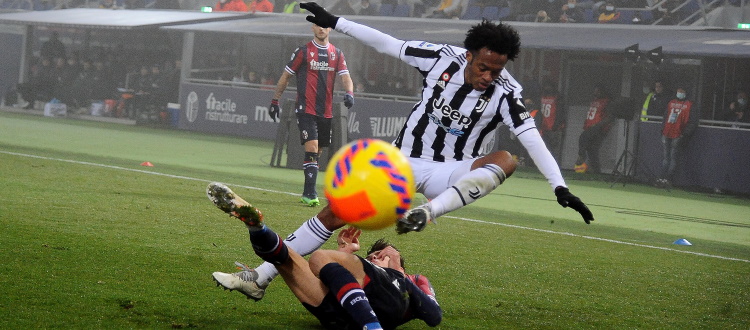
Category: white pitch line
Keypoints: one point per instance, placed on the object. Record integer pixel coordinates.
(597, 238)
(446, 216)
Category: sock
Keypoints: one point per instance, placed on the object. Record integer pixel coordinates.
(350, 295)
(306, 239)
(310, 167)
(472, 186)
(269, 246)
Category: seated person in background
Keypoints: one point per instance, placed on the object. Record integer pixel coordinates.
(595, 128)
(367, 8)
(341, 289)
(83, 84)
(449, 9)
(571, 13)
(551, 119)
(230, 5)
(141, 87)
(264, 6)
(342, 7)
(39, 86)
(108, 4)
(541, 17)
(608, 13)
(738, 110)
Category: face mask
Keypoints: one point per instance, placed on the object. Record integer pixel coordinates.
(571, 5)
(609, 8)
(681, 96)
(646, 90)
(742, 101)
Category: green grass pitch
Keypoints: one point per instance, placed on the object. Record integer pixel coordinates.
(91, 239)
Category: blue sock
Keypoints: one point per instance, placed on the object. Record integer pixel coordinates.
(269, 246)
(350, 295)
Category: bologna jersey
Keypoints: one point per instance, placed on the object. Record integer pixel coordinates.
(316, 67)
(394, 297)
(549, 109)
(453, 121)
(596, 112)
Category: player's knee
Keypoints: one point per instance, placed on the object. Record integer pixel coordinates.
(505, 160)
(318, 259)
(329, 220)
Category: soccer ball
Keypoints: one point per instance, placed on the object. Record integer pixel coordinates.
(369, 184)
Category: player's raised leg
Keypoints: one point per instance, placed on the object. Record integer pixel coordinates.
(309, 237)
(226, 200)
(270, 247)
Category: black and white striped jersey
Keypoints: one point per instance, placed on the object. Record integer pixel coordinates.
(454, 122)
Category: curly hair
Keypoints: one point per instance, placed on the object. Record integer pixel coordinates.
(500, 38)
(382, 244)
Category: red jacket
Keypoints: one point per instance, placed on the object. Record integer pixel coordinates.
(261, 5)
(676, 118)
(231, 5)
(596, 112)
(549, 110)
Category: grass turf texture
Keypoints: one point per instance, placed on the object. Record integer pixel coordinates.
(125, 246)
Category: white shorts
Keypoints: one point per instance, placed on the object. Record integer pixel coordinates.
(432, 178)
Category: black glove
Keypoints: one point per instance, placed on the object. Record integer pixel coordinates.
(322, 17)
(274, 110)
(348, 100)
(565, 198)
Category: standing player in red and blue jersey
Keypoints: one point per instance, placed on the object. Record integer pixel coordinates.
(316, 65)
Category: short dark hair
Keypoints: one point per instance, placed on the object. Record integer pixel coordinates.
(382, 244)
(500, 38)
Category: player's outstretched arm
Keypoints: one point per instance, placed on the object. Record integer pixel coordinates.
(380, 41)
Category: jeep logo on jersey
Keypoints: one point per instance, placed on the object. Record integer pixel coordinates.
(191, 106)
(319, 66)
(451, 113)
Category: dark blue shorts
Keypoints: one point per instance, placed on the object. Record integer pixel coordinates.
(312, 127)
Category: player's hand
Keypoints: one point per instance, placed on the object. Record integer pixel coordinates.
(274, 110)
(322, 17)
(566, 199)
(348, 100)
(391, 256)
(348, 240)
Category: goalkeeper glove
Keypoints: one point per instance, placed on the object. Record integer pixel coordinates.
(274, 110)
(565, 198)
(322, 17)
(349, 100)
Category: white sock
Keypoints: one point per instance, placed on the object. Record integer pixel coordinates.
(306, 239)
(472, 186)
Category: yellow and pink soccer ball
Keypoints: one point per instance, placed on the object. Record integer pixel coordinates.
(369, 184)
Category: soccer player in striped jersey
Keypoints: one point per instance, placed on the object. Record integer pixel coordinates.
(316, 65)
(467, 93)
